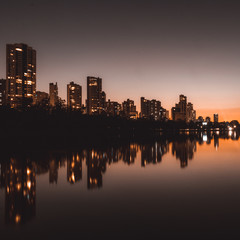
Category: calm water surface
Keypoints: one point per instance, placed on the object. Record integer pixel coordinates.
(186, 187)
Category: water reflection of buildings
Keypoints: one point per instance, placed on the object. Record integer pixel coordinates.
(74, 168)
(18, 175)
(96, 165)
(184, 150)
(56, 161)
(152, 153)
(129, 153)
(19, 180)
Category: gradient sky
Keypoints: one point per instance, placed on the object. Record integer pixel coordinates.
(156, 49)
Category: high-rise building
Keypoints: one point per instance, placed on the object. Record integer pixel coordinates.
(215, 118)
(74, 96)
(2, 92)
(183, 111)
(113, 108)
(190, 113)
(53, 94)
(96, 98)
(20, 75)
(129, 109)
(152, 109)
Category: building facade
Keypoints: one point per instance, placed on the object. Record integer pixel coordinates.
(53, 94)
(183, 111)
(42, 98)
(152, 109)
(74, 96)
(96, 98)
(113, 108)
(2, 92)
(20, 75)
(190, 113)
(129, 109)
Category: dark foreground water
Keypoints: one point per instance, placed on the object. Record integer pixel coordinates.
(167, 189)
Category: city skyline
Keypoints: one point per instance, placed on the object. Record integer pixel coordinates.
(158, 50)
(102, 103)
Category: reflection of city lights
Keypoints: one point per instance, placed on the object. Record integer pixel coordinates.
(17, 218)
(230, 128)
(205, 138)
(29, 184)
(73, 178)
(230, 132)
(28, 171)
(19, 186)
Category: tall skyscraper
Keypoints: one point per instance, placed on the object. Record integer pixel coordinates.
(191, 113)
(74, 96)
(96, 98)
(53, 94)
(20, 75)
(2, 92)
(183, 111)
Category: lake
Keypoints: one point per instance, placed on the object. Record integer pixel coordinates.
(183, 186)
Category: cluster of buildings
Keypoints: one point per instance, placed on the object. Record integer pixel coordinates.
(19, 90)
(183, 110)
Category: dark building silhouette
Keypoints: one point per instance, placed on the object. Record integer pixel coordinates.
(129, 109)
(183, 111)
(191, 113)
(215, 118)
(113, 108)
(53, 94)
(152, 109)
(96, 98)
(20, 75)
(42, 98)
(74, 96)
(2, 92)
(200, 119)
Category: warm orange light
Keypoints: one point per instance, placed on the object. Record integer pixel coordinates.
(29, 184)
(17, 218)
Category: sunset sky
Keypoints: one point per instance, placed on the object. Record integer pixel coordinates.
(156, 49)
